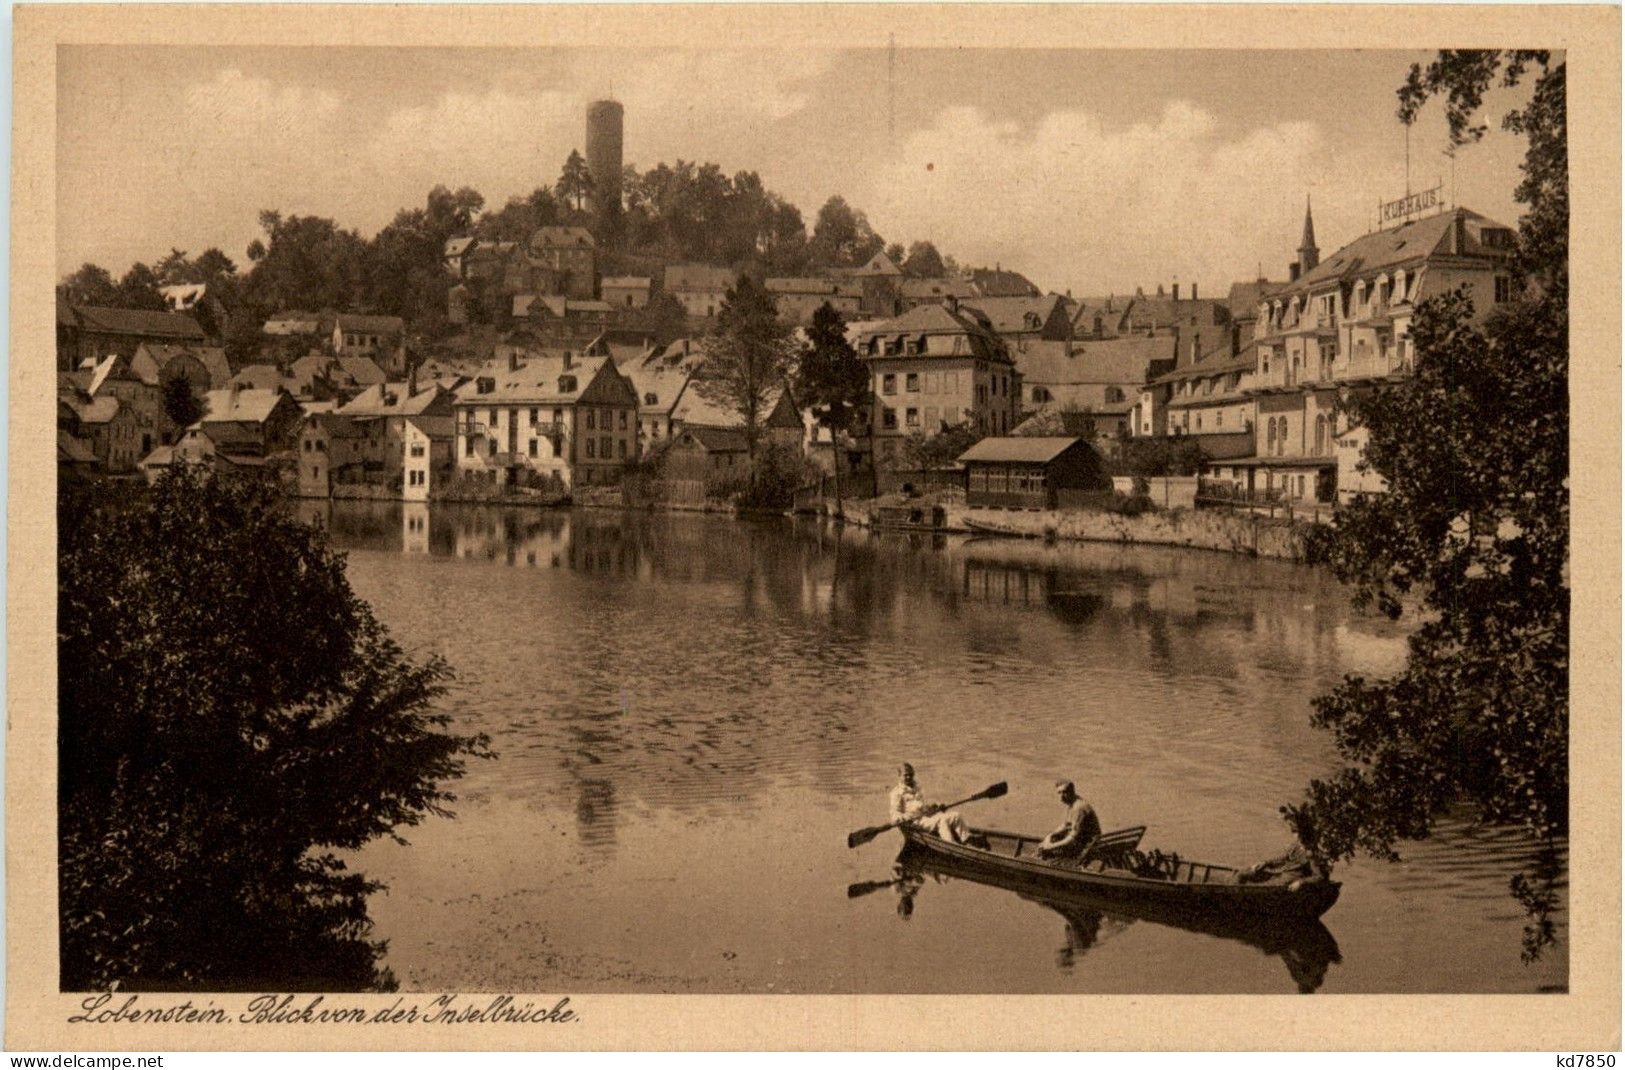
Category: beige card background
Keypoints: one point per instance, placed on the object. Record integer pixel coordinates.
(1586, 1018)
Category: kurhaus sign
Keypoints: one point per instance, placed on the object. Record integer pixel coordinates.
(1411, 204)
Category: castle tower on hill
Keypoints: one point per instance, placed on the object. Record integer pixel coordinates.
(604, 156)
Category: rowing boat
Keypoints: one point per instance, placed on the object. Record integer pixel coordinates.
(1167, 882)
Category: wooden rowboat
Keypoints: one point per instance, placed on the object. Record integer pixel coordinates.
(1177, 886)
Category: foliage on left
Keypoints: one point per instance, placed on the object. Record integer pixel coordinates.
(231, 717)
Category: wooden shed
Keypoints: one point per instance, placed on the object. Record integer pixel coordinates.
(1032, 472)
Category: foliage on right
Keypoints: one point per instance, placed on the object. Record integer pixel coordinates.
(1472, 537)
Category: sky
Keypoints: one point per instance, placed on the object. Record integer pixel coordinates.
(1091, 171)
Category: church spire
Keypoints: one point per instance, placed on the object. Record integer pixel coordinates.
(1308, 252)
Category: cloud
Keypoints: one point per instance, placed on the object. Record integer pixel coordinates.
(1078, 202)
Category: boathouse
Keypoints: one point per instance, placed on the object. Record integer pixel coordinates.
(1032, 472)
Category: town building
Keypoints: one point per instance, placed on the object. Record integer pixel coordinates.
(798, 298)
(699, 288)
(429, 459)
(259, 422)
(336, 450)
(1341, 325)
(1033, 472)
(540, 418)
(997, 282)
(780, 422)
(556, 322)
(109, 428)
(659, 385)
(1104, 378)
(915, 292)
(1026, 319)
(382, 411)
(881, 283)
(113, 378)
(625, 291)
(90, 333)
(938, 366)
(945, 354)
(563, 261)
(204, 368)
(383, 338)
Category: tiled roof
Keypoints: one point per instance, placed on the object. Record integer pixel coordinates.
(1029, 449)
(1416, 240)
(719, 439)
(138, 321)
(457, 246)
(391, 399)
(350, 321)
(626, 282)
(363, 370)
(435, 426)
(96, 410)
(928, 289)
(879, 264)
(539, 378)
(556, 237)
(261, 377)
(1009, 314)
(240, 406)
(213, 359)
(1110, 360)
(702, 277)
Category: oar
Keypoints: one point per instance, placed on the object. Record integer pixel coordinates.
(853, 891)
(863, 836)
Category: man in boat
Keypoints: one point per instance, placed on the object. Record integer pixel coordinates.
(1082, 827)
(908, 802)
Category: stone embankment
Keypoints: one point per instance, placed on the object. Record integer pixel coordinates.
(1253, 534)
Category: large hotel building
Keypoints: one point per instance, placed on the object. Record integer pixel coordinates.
(1342, 324)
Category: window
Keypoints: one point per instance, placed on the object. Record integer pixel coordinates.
(494, 417)
(912, 418)
(533, 416)
(558, 416)
(912, 383)
(533, 452)
(620, 449)
(1270, 436)
(604, 447)
(623, 419)
(650, 399)
(932, 382)
(468, 447)
(888, 384)
(591, 447)
(491, 447)
(417, 449)
(888, 419)
(592, 419)
(1503, 288)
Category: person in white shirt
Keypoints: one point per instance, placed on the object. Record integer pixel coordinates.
(908, 802)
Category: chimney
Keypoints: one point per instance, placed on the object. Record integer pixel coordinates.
(1292, 272)
(568, 362)
(1160, 292)
(951, 303)
(412, 380)
(1458, 234)
(513, 360)
(1176, 291)
(1193, 291)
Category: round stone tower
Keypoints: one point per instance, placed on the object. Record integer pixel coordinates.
(604, 155)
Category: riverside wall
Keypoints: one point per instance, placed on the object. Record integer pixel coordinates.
(1204, 529)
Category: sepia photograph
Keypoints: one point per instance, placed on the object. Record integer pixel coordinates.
(774, 517)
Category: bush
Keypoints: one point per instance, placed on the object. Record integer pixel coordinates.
(230, 716)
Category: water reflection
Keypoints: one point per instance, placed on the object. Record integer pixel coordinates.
(657, 684)
(1306, 948)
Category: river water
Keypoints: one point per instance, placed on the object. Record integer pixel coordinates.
(691, 713)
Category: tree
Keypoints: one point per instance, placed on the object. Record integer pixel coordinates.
(306, 262)
(90, 285)
(942, 447)
(575, 182)
(832, 380)
(842, 236)
(139, 289)
(520, 217)
(1473, 530)
(231, 715)
(183, 407)
(749, 356)
(924, 262)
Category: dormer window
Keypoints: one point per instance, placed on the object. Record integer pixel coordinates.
(485, 385)
(567, 384)
(650, 399)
